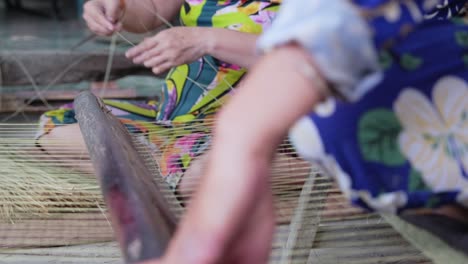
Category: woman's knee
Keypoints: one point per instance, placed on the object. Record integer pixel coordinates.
(62, 139)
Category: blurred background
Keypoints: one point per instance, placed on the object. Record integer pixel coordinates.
(47, 58)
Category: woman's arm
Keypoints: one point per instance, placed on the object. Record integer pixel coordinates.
(180, 45)
(142, 15)
(105, 17)
(230, 46)
(230, 219)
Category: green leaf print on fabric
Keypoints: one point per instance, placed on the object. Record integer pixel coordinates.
(410, 62)
(462, 38)
(432, 202)
(465, 59)
(378, 132)
(385, 60)
(416, 182)
(458, 21)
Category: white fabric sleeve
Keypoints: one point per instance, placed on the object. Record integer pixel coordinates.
(336, 36)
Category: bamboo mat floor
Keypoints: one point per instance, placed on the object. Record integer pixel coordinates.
(360, 240)
(105, 253)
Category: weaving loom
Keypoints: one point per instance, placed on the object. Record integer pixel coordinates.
(53, 211)
(53, 203)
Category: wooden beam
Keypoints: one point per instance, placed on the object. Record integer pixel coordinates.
(141, 217)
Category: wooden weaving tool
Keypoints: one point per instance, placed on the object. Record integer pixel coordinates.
(143, 222)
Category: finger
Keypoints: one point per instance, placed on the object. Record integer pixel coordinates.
(95, 12)
(118, 27)
(148, 55)
(162, 68)
(156, 61)
(97, 28)
(113, 11)
(97, 19)
(144, 46)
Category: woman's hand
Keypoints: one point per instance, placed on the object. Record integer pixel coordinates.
(170, 48)
(251, 243)
(103, 16)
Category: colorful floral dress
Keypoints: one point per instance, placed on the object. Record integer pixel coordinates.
(396, 137)
(191, 92)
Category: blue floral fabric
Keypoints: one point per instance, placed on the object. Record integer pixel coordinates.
(402, 141)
